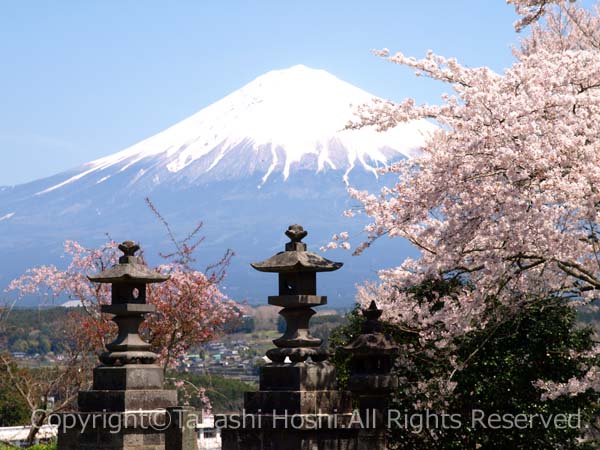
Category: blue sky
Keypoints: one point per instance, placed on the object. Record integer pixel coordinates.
(81, 80)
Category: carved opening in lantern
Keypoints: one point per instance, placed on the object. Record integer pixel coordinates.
(128, 293)
(298, 283)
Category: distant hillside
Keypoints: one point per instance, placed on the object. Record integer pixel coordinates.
(36, 331)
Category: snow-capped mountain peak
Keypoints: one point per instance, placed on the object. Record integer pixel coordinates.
(281, 119)
(283, 133)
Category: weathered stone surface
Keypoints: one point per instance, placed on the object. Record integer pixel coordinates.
(332, 432)
(297, 402)
(181, 433)
(371, 379)
(309, 376)
(133, 376)
(373, 356)
(372, 343)
(128, 281)
(129, 270)
(296, 258)
(118, 431)
(296, 301)
(297, 271)
(128, 309)
(128, 357)
(104, 439)
(126, 410)
(290, 439)
(68, 439)
(298, 406)
(297, 261)
(126, 400)
(297, 354)
(374, 383)
(297, 333)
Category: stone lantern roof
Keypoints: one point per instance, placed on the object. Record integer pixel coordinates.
(373, 356)
(129, 270)
(372, 342)
(295, 258)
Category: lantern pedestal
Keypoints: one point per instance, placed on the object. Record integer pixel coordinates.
(131, 376)
(126, 400)
(130, 430)
(309, 376)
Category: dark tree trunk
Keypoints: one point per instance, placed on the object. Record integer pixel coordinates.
(36, 424)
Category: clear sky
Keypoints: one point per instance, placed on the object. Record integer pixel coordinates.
(84, 79)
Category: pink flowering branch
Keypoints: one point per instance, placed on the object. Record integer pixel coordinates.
(190, 307)
(504, 195)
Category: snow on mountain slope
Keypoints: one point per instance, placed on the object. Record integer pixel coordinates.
(281, 119)
(283, 132)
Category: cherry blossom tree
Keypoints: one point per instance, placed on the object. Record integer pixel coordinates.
(505, 197)
(46, 390)
(190, 307)
(531, 10)
(191, 310)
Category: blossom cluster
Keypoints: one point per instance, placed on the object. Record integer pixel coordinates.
(505, 195)
(190, 307)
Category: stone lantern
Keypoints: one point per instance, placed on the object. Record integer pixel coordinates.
(128, 281)
(128, 383)
(299, 386)
(297, 269)
(373, 355)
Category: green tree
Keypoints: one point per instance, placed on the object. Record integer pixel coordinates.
(20, 345)
(13, 409)
(503, 363)
(44, 345)
(225, 395)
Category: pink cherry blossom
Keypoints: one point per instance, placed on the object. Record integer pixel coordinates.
(506, 191)
(190, 307)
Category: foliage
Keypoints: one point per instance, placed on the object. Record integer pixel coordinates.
(36, 330)
(46, 391)
(343, 335)
(43, 391)
(245, 325)
(540, 342)
(225, 395)
(190, 308)
(41, 330)
(504, 197)
(13, 409)
(33, 447)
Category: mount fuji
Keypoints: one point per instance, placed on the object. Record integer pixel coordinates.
(272, 153)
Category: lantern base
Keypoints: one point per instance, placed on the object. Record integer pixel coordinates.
(132, 376)
(126, 400)
(309, 376)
